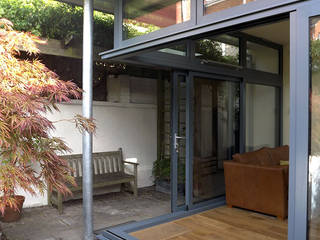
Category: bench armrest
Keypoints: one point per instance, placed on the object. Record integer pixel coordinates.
(133, 163)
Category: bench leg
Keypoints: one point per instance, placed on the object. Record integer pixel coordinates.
(135, 187)
(135, 182)
(122, 187)
(60, 206)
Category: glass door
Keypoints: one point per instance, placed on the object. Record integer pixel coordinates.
(178, 142)
(205, 132)
(216, 133)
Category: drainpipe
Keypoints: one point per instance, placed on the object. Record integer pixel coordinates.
(87, 70)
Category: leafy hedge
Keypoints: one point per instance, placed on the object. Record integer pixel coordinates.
(52, 19)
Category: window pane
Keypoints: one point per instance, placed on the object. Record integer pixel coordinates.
(180, 50)
(262, 117)
(216, 134)
(262, 58)
(314, 159)
(141, 17)
(211, 6)
(221, 49)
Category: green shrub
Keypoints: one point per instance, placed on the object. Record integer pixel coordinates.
(56, 20)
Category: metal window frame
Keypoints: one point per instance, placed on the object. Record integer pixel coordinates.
(300, 12)
(238, 11)
(174, 155)
(299, 118)
(229, 17)
(153, 57)
(119, 5)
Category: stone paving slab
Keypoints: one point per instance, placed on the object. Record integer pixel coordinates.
(45, 223)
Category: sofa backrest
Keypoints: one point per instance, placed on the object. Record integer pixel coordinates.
(264, 156)
(279, 154)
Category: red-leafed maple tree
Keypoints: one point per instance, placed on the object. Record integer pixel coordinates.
(28, 90)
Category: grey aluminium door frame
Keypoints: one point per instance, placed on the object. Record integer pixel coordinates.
(190, 140)
(175, 131)
(299, 118)
(189, 76)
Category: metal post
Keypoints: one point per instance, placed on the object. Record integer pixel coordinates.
(87, 70)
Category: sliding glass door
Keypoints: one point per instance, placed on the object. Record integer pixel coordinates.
(205, 132)
(216, 104)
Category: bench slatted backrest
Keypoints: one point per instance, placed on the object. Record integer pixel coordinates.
(107, 162)
(103, 163)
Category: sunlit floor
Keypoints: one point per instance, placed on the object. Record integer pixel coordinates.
(219, 224)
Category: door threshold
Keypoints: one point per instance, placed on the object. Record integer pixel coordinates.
(122, 232)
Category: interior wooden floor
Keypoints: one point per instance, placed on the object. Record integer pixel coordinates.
(218, 224)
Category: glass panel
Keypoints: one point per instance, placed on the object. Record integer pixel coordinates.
(141, 17)
(211, 6)
(221, 49)
(314, 159)
(262, 58)
(181, 153)
(180, 50)
(216, 134)
(262, 117)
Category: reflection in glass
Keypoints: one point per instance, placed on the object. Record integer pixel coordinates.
(216, 134)
(221, 49)
(262, 58)
(262, 117)
(141, 17)
(180, 50)
(314, 159)
(182, 142)
(211, 6)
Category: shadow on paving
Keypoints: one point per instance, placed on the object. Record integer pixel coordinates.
(45, 223)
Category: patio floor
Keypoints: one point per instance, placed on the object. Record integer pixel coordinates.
(44, 223)
(219, 224)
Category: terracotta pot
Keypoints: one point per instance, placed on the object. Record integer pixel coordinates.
(2, 235)
(13, 215)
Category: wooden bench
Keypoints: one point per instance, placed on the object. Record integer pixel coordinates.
(108, 169)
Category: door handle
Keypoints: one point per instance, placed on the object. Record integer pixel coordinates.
(176, 142)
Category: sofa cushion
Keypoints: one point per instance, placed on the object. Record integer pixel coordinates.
(258, 157)
(279, 154)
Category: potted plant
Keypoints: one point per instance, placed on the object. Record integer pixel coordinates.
(162, 174)
(28, 90)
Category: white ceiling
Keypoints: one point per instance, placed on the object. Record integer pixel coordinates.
(278, 32)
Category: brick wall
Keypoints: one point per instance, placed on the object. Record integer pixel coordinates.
(224, 4)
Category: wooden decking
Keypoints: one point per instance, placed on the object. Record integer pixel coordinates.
(218, 224)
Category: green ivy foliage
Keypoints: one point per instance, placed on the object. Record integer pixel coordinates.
(56, 20)
(315, 55)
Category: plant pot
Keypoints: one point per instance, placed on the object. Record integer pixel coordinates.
(13, 215)
(2, 235)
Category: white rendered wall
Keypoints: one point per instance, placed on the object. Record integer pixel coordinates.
(133, 127)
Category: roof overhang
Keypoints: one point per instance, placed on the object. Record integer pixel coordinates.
(229, 20)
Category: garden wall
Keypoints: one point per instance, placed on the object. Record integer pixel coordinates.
(131, 126)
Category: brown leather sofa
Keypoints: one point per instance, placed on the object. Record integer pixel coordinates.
(256, 181)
